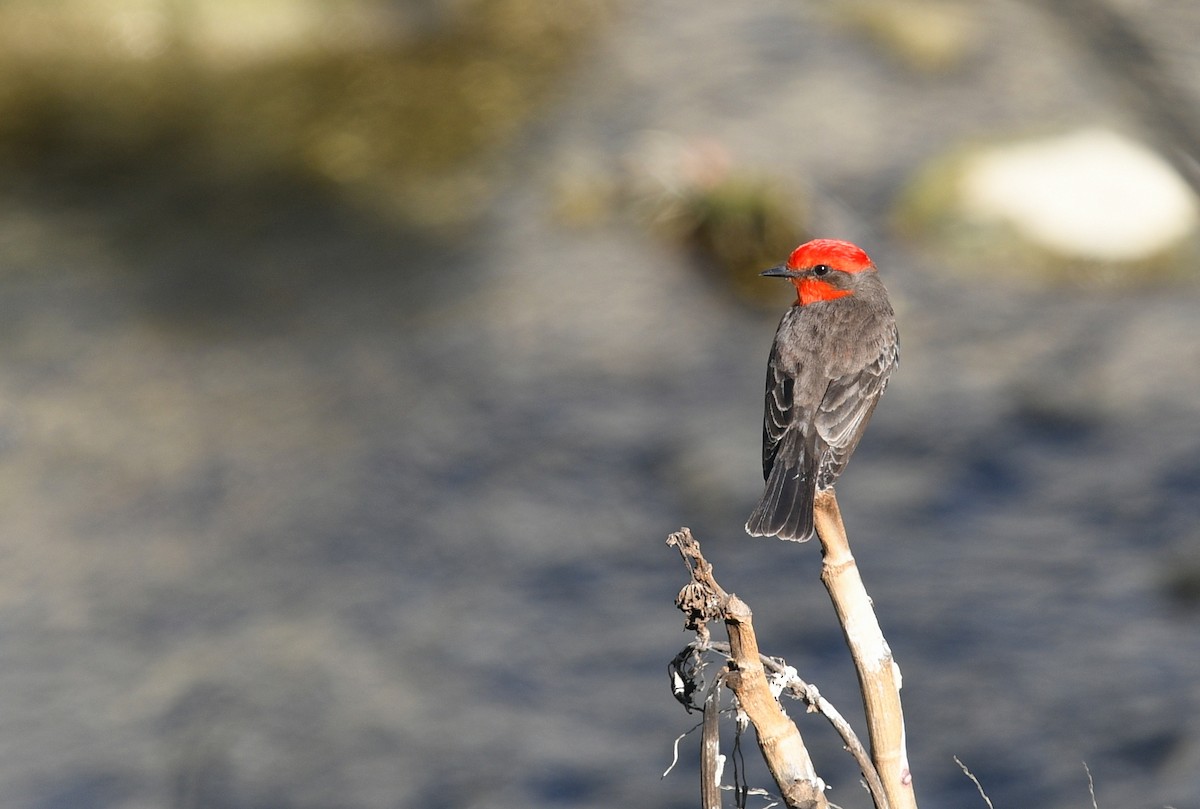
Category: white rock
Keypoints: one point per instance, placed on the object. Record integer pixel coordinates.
(1091, 194)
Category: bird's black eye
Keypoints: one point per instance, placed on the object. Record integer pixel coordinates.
(821, 269)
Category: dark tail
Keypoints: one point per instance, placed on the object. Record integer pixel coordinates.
(786, 507)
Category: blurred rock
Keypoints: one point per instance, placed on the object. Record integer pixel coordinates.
(398, 106)
(1090, 195)
(1089, 205)
(924, 35)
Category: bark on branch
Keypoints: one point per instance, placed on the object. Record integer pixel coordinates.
(782, 747)
(885, 770)
(878, 675)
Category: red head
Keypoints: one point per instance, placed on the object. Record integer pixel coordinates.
(822, 270)
(837, 255)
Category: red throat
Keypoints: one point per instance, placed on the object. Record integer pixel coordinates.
(810, 290)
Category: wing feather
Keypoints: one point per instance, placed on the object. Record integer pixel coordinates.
(789, 460)
(841, 418)
(779, 413)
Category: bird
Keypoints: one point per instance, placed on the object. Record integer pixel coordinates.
(834, 351)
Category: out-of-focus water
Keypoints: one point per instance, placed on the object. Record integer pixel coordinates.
(299, 509)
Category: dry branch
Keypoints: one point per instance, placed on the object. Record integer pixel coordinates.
(787, 676)
(779, 740)
(878, 675)
(710, 769)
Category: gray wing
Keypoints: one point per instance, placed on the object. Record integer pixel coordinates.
(778, 412)
(789, 461)
(849, 401)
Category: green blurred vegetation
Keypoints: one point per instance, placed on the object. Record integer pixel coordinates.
(732, 219)
(400, 111)
(741, 225)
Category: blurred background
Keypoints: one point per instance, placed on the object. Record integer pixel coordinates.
(357, 357)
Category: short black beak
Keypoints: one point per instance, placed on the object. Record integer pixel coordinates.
(781, 271)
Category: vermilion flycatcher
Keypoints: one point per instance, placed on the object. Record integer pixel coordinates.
(833, 353)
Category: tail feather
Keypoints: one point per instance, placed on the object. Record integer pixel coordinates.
(762, 520)
(786, 507)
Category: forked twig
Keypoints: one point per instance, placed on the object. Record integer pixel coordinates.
(703, 600)
(975, 781)
(790, 679)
